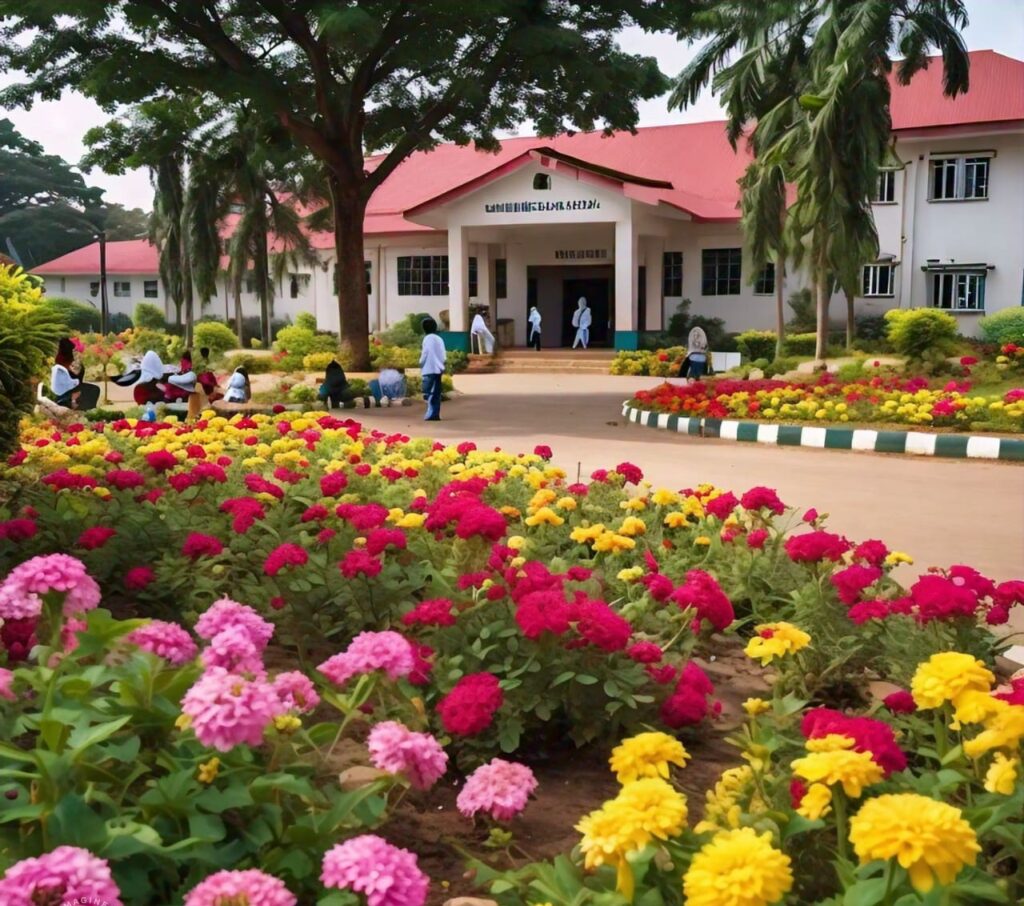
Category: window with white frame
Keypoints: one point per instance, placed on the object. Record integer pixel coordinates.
(960, 178)
(721, 272)
(877, 280)
(885, 191)
(150, 289)
(672, 274)
(122, 288)
(958, 291)
(423, 275)
(764, 285)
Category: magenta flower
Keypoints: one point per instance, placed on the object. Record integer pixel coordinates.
(21, 592)
(225, 613)
(17, 530)
(369, 651)
(386, 875)
(398, 750)
(95, 537)
(166, 640)
(296, 691)
(233, 649)
(499, 788)
(125, 479)
(7, 685)
(359, 562)
(199, 545)
(67, 874)
(251, 887)
(436, 612)
(284, 555)
(138, 577)
(227, 710)
(470, 707)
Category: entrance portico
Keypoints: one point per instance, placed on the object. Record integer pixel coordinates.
(550, 218)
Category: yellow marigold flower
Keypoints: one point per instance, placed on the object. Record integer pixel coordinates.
(183, 722)
(585, 534)
(833, 742)
(693, 507)
(947, 675)
(611, 542)
(359, 542)
(630, 573)
(510, 512)
(208, 770)
(1001, 776)
(411, 520)
(755, 706)
(816, 803)
(930, 839)
(721, 808)
(702, 541)
(896, 557)
(516, 562)
(395, 514)
(632, 526)
(634, 503)
(647, 755)
(854, 770)
(775, 640)
(974, 707)
(676, 519)
(566, 503)
(664, 497)
(101, 492)
(1004, 730)
(739, 868)
(544, 516)
(516, 542)
(542, 498)
(286, 723)
(535, 479)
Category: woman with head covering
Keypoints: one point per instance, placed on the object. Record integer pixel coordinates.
(696, 354)
(149, 388)
(181, 385)
(239, 389)
(335, 390)
(581, 319)
(533, 337)
(66, 382)
(484, 337)
(207, 379)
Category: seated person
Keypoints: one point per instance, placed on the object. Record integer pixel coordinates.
(335, 390)
(207, 379)
(388, 386)
(149, 385)
(239, 389)
(66, 382)
(183, 383)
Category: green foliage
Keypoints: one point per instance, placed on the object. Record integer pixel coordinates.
(317, 361)
(395, 356)
(682, 322)
(1006, 326)
(780, 366)
(150, 316)
(456, 361)
(80, 317)
(302, 393)
(163, 344)
(216, 336)
(914, 332)
(300, 341)
(253, 364)
(804, 318)
(799, 343)
(757, 344)
(255, 343)
(306, 320)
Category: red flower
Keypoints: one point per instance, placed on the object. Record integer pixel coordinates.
(540, 611)
(797, 791)
(138, 577)
(757, 538)
(199, 545)
(1016, 694)
(17, 458)
(644, 653)
(95, 537)
(868, 610)
(762, 498)
(872, 736)
(689, 704)
(436, 612)
(968, 360)
(659, 587)
(17, 530)
(278, 408)
(332, 484)
(722, 505)
(325, 535)
(316, 513)
(813, 547)
(246, 511)
(123, 479)
(284, 555)
(195, 451)
(578, 574)
(161, 460)
(287, 475)
(363, 516)
(872, 552)
(359, 562)
(900, 702)
(382, 538)
(602, 626)
(966, 576)
(705, 595)
(467, 446)
(811, 515)
(470, 707)
(259, 485)
(852, 581)
(939, 598)
(630, 472)
(543, 451)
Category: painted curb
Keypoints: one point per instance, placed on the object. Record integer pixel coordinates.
(915, 443)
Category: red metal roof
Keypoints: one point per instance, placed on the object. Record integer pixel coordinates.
(128, 256)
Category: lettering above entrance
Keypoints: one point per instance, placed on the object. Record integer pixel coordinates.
(581, 254)
(535, 207)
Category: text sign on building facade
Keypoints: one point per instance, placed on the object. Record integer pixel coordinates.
(581, 254)
(537, 207)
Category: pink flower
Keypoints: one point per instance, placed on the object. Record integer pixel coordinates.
(259, 485)
(499, 788)
(166, 640)
(471, 705)
(813, 547)
(22, 591)
(333, 483)
(7, 685)
(763, 498)
(228, 710)
(630, 472)
(721, 506)
(705, 595)
(900, 702)
(543, 451)
(644, 653)
(95, 537)
(246, 511)
(852, 581)
(199, 545)
(757, 538)
(398, 750)
(380, 539)
(284, 555)
(939, 598)
(17, 530)
(386, 875)
(251, 887)
(363, 516)
(602, 626)
(367, 652)
(234, 650)
(811, 515)
(437, 612)
(225, 613)
(688, 704)
(360, 562)
(872, 552)
(138, 577)
(863, 611)
(870, 735)
(296, 691)
(67, 874)
(161, 460)
(316, 513)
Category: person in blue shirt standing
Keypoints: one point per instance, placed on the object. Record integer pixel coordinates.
(432, 359)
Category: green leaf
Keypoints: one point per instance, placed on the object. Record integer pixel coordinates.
(865, 893)
(563, 678)
(267, 785)
(73, 823)
(585, 679)
(217, 801)
(84, 737)
(209, 828)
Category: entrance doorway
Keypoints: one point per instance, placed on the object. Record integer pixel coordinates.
(597, 291)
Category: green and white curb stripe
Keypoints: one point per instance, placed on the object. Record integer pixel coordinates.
(917, 443)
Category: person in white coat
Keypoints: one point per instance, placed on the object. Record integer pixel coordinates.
(484, 338)
(533, 339)
(581, 319)
(239, 390)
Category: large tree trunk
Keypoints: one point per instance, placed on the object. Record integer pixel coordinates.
(851, 322)
(188, 292)
(353, 313)
(780, 309)
(236, 290)
(824, 291)
(262, 274)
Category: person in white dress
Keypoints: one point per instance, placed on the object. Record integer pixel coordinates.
(581, 319)
(534, 336)
(484, 337)
(238, 387)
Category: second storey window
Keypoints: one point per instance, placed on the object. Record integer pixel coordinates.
(959, 178)
(877, 280)
(423, 275)
(122, 288)
(958, 292)
(149, 289)
(764, 285)
(672, 274)
(721, 270)
(885, 192)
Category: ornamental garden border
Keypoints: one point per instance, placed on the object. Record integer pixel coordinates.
(919, 443)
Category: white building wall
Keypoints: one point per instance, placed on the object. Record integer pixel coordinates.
(80, 288)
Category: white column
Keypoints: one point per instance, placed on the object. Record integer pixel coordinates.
(485, 281)
(376, 312)
(515, 304)
(625, 277)
(458, 280)
(908, 224)
(653, 261)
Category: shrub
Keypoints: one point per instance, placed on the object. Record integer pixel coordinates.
(306, 320)
(457, 361)
(395, 356)
(317, 361)
(851, 371)
(251, 330)
(780, 366)
(255, 343)
(80, 317)
(915, 331)
(216, 336)
(1005, 326)
(800, 343)
(149, 316)
(805, 316)
(870, 327)
(407, 332)
(757, 344)
(142, 340)
(299, 341)
(682, 322)
(302, 393)
(118, 322)
(253, 364)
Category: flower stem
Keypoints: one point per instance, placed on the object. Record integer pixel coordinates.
(839, 804)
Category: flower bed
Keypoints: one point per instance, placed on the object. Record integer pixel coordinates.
(456, 607)
(827, 400)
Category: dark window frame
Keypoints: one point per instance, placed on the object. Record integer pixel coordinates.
(672, 274)
(721, 272)
(150, 289)
(422, 275)
(764, 283)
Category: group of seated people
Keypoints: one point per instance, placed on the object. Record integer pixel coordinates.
(335, 391)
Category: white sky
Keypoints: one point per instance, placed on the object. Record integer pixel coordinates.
(59, 125)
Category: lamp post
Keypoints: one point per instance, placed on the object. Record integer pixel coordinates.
(102, 236)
